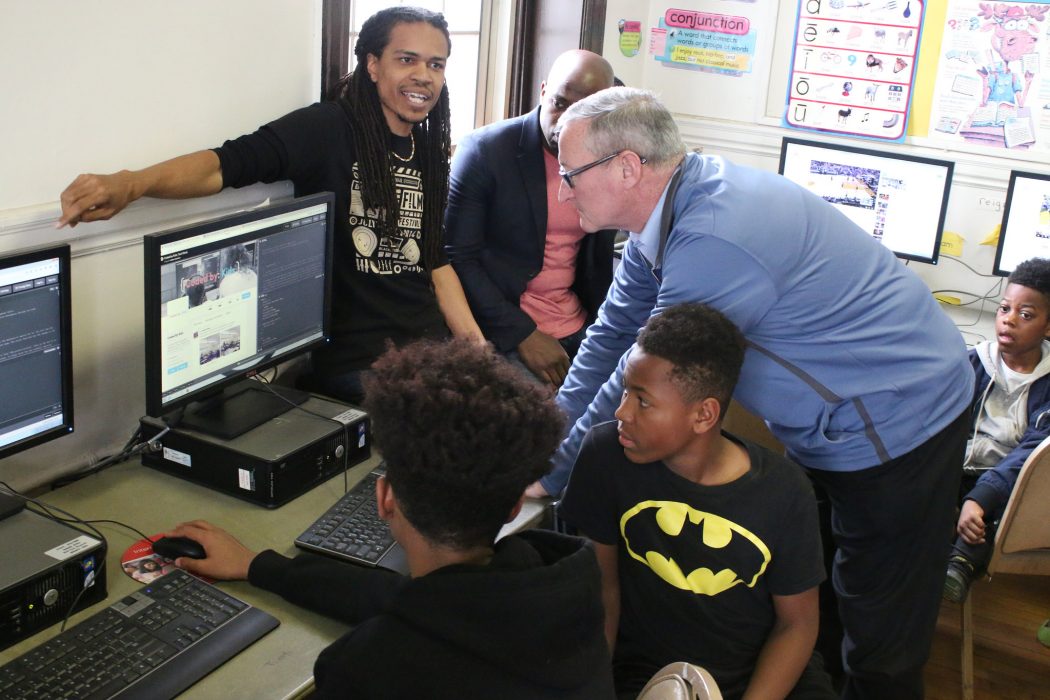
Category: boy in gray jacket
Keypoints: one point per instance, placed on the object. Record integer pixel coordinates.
(1011, 416)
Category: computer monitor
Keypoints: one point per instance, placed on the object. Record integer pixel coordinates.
(901, 200)
(227, 298)
(36, 366)
(1025, 230)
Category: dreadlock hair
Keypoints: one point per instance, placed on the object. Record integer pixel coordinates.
(371, 133)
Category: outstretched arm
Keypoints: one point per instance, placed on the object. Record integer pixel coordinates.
(100, 197)
(326, 586)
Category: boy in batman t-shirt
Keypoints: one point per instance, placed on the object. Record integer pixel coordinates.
(709, 545)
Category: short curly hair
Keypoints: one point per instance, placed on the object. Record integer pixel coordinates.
(1034, 274)
(463, 433)
(705, 347)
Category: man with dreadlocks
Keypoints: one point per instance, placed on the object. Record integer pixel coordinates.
(382, 146)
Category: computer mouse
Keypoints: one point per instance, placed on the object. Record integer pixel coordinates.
(175, 547)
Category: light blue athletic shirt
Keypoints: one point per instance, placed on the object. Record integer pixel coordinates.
(850, 361)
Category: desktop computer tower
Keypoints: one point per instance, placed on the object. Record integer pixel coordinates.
(272, 463)
(46, 565)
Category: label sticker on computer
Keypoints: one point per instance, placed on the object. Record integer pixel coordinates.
(72, 548)
(178, 457)
(246, 479)
(349, 416)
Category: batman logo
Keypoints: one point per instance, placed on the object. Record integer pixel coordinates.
(722, 539)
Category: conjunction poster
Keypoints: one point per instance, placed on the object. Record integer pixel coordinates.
(707, 57)
(714, 42)
(853, 67)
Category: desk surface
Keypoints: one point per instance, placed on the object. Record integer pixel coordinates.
(280, 665)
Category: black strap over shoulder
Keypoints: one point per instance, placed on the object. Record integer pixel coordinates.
(667, 216)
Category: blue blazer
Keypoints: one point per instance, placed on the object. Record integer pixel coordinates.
(496, 228)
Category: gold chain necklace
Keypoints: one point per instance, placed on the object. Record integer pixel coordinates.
(411, 155)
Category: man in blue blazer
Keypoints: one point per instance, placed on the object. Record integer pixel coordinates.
(533, 278)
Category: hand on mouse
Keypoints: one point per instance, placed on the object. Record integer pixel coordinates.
(227, 559)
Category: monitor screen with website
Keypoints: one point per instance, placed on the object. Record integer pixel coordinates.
(1025, 230)
(229, 297)
(900, 200)
(36, 367)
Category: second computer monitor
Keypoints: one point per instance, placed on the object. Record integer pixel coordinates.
(1025, 230)
(900, 200)
(228, 297)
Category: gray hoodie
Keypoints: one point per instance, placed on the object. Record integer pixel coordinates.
(1002, 414)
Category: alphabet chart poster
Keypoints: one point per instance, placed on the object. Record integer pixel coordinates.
(993, 76)
(853, 67)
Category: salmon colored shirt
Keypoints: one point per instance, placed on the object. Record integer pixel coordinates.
(548, 299)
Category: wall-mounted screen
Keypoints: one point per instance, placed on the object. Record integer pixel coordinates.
(900, 200)
(1025, 231)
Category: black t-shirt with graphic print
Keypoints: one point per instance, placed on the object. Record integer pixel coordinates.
(698, 564)
(380, 287)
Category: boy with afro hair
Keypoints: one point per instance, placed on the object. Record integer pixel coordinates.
(463, 433)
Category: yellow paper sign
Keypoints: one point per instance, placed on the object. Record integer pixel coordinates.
(951, 244)
(993, 237)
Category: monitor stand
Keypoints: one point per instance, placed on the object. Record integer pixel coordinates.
(239, 408)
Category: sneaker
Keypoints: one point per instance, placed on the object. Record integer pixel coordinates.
(961, 573)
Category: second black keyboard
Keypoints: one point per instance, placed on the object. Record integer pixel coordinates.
(352, 530)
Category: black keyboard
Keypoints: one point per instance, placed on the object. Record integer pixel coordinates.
(353, 531)
(154, 643)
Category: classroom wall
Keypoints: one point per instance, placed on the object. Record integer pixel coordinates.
(740, 118)
(108, 84)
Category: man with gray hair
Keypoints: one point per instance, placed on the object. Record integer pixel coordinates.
(849, 360)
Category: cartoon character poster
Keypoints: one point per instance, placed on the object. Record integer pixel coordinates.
(992, 84)
(853, 67)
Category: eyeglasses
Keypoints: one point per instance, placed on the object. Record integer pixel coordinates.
(568, 175)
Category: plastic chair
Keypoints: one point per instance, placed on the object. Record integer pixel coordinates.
(681, 681)
(1022, 542)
